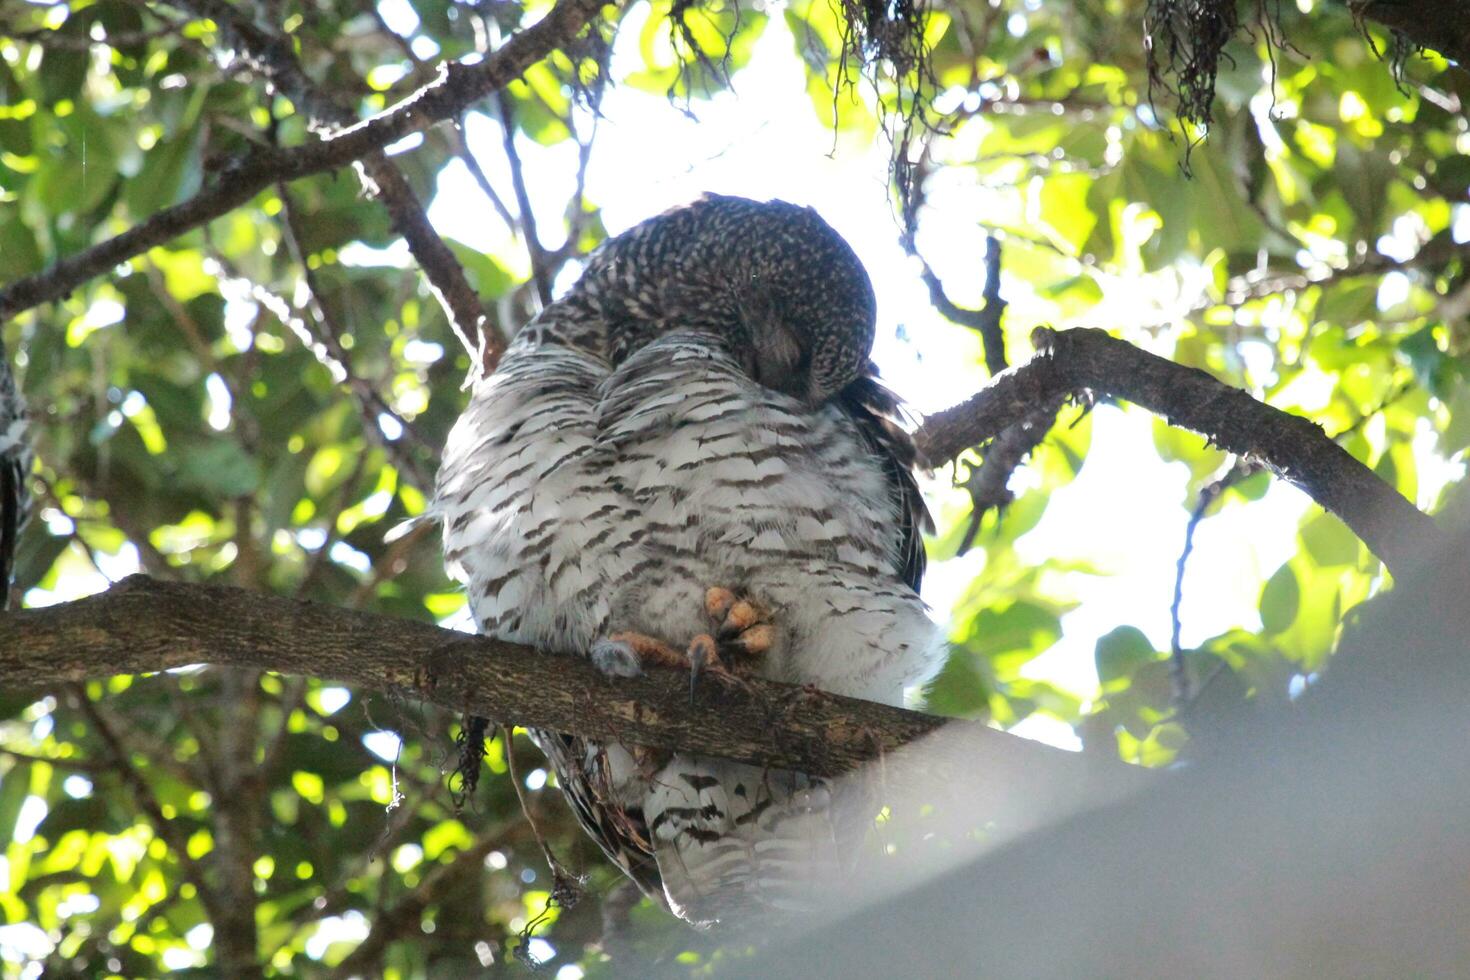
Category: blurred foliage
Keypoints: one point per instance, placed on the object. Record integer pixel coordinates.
(1316, 256)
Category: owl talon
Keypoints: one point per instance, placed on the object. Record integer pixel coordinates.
(743, 627)
(705, 661)
(718, 603)
(702, 657)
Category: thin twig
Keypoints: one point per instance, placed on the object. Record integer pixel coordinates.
(472, 164)
(523, 199)
(328, 351)
(1239, 470)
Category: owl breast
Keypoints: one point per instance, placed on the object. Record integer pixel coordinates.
(579, 499)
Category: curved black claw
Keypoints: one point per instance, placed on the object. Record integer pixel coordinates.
(701, 656)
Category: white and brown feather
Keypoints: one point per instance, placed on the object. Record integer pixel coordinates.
(644, 439)
(15, 466)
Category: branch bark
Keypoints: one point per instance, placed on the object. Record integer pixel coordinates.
(1441, 25)
(1294, 448)
(142, 625)
(458, 85)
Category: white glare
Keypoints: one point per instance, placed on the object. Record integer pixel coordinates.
(219, 401)
(119, 566)
(400, 17)
(1460, 229)
(58, 523)
(240, 313)
(1052, 731)
(384, 745)
(1393, 289)
(331, 700)
(32, 812)
(351, 927)
(24, 941)
(422, 352)
(356, 254)
(344, 554)
(77, 786)
(390, 427)
(409, 142)
(77, 905)
(104, 313)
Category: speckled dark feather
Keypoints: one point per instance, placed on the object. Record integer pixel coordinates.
(729, 264)
(756, 273)
(621, 461)
(15, 463)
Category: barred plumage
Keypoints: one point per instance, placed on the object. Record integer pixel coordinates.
(699, 411)
(15, 464)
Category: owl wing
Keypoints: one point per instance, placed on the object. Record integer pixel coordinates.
(875, 411)
(15, 460)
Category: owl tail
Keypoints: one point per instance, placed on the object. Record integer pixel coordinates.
(737, 844)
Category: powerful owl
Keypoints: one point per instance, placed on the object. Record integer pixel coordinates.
(15, 464)
(688, 460)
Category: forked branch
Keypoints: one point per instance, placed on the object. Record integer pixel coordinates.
(1071, 362)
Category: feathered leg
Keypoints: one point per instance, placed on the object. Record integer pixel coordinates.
(741, 632)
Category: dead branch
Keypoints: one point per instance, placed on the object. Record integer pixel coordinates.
(1072, 362)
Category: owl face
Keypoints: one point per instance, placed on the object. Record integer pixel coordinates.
(776, 281)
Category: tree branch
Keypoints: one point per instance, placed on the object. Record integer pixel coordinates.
(1442, 25)
(142, 625)
(532, 237)
(986, 320)
(271, 56)
(1294, 448)
(458, 85)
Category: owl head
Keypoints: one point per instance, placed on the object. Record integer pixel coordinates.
(789, 296)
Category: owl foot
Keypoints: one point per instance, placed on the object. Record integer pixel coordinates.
(627, 653)
(743, 629)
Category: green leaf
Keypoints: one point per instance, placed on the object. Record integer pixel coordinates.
(1329, 541)
(221, 468)
(15, 786)
(1280, 600)
(1120, 652)
(19, 255)
(960, 690)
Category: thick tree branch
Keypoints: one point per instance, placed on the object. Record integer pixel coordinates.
(1441, 25)
(142, 625)
(458, 85)
(1294, 448)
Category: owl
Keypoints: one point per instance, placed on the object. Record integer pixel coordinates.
(15, 464)
(687, 461)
